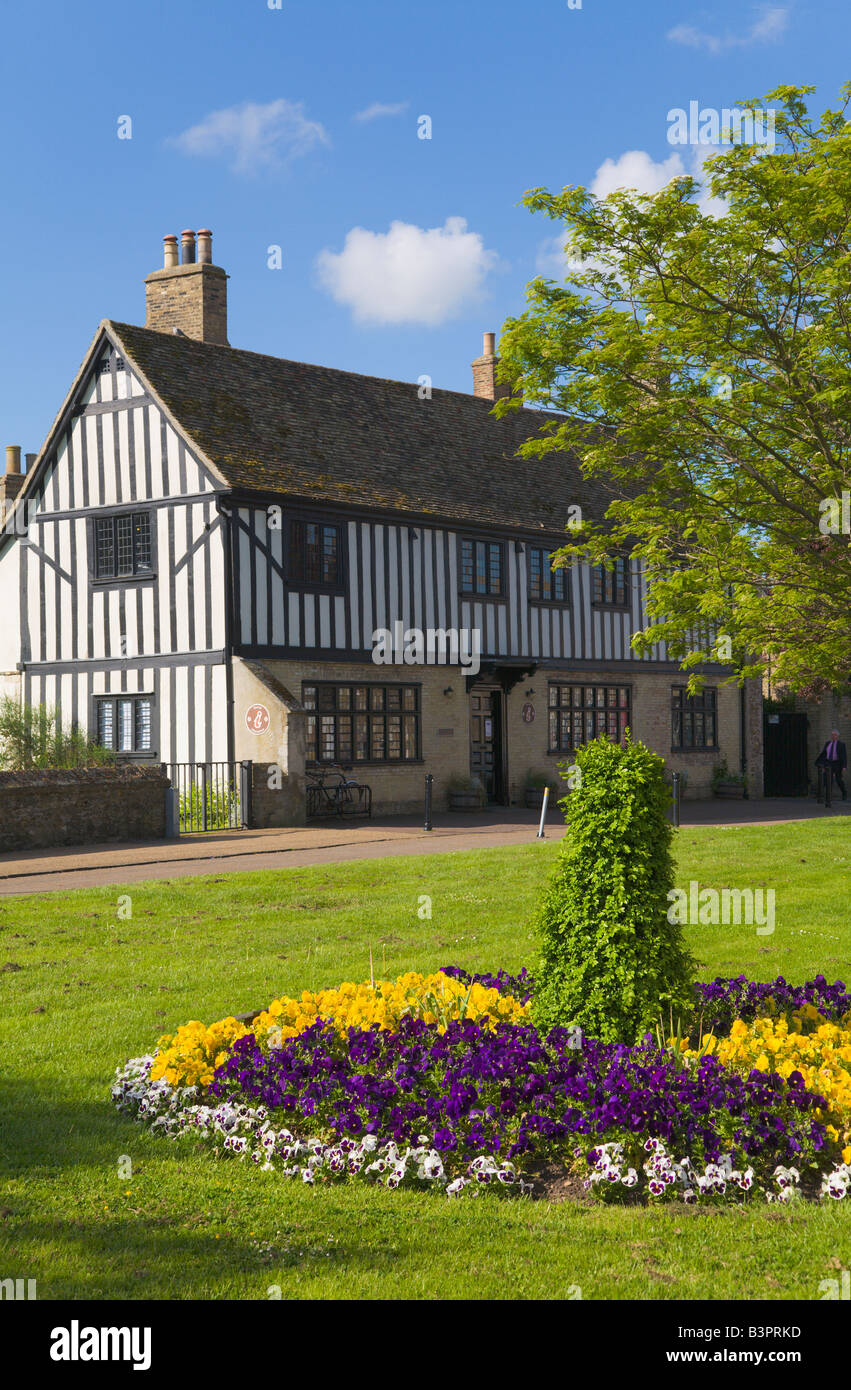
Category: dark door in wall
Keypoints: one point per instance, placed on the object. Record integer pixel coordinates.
(486, 741)
(785, 754)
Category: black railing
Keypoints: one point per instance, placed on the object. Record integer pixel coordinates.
(212, 796)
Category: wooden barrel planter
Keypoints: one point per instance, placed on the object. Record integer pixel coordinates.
(465, 801)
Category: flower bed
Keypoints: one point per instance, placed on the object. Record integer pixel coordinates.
(441, 1081)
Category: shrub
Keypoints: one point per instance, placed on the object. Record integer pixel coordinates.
(610, 959)
(33, 736)
(214, 809)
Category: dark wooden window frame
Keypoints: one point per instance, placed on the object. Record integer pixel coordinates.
(487, 595)
(558, 578)
(372, 716)
(605, 585)
(301, 582)
(693, 712)
(617, 710)
(115, 698)
(112, 518)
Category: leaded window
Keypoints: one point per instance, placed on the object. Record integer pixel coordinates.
(123, 548)
(694, 718)
(362, 723)
(579, 713)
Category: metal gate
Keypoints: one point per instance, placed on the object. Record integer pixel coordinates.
(212, 796)
(785, 754)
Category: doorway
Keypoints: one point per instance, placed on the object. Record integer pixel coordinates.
(486, 742)
(785, 754)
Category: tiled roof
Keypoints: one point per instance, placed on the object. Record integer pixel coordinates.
(270, 425)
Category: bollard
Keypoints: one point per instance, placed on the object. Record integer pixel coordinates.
(675, 805)
(428, 785)
(540, 835)
(172, 814)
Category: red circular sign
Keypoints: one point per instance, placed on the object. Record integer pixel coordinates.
(257, 718)
(528, 713)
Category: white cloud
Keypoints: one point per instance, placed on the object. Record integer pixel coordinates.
(254, 136)
(378, 109)
(408, 274)
(768, 28)
(635, 169)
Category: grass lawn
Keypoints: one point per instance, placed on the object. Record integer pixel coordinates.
(95, 987)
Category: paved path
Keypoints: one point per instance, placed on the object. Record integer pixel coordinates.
(82, 866)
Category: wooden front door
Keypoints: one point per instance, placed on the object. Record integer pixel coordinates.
(485, 741)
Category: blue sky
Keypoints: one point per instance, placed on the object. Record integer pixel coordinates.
(295, 127)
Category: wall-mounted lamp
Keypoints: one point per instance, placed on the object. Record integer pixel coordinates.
(529, 692)
(413, 535)
(518, 547)
(449, 690)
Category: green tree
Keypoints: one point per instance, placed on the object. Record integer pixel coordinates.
(610, 959)
(703, 359)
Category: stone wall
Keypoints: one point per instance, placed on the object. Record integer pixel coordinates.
(277, 799)
(81, 806)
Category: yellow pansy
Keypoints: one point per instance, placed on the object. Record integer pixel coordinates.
(190, 1056)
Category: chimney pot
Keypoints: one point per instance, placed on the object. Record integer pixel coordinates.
(30, 460)
(485, 383)
(189, 299)
(13, 458)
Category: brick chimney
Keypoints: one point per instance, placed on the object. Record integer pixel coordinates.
(485, 383)
(191, 297)
(12, 480)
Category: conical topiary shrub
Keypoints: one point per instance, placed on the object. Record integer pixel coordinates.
(611, 960)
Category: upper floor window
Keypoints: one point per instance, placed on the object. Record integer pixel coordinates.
(125, 723)
(316, 554)
(482, 568)
(123, 546)
(611, 584)
(545, 583)
(694, 718)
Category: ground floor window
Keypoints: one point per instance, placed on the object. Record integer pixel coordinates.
(578, 713)
(694, 718)
(362, 723)
(124, 723)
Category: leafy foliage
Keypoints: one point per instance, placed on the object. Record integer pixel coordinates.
(702, 355)
(33, 736)
(216, 808)
(610, 959)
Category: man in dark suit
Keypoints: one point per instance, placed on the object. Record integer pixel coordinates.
(834, 759)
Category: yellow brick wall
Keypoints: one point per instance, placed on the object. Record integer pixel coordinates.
(650, 721)
(445, 726)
